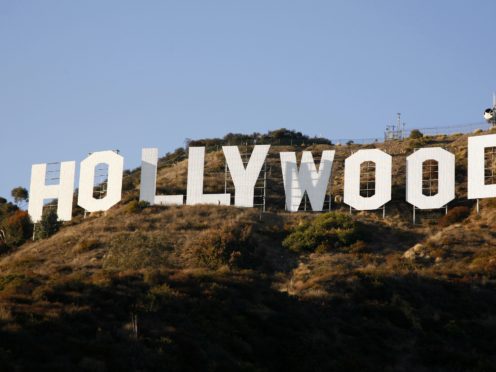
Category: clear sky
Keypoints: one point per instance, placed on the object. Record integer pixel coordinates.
(83, 76)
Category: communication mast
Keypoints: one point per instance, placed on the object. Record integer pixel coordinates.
(490, 113)
(395, 132)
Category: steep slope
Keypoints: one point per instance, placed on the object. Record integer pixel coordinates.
(215, 288)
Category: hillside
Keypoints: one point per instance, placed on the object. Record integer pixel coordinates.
(209, 288)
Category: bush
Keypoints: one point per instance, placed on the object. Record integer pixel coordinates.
(415, 134)
(48, 225)
(231, 245)
(325, 232)
(454, 215)
(135, 206)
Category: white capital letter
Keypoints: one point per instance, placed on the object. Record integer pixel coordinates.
(382, 194)
(445, 178)
(64, 191)
(477, 188)
(115, 164)
(194, 192)
(245, 179)
(149, 160)
(307, 179)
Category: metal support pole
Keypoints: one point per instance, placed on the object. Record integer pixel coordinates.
(265, 185)
(414, 215)
(478, 208)
(225, 178)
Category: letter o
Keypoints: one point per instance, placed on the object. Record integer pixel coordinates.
(383, 163)
(115, 164)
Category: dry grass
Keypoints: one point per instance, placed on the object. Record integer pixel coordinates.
(368, 303)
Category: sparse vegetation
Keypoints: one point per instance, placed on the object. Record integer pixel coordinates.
(231, 245)
(135, 250)
(86, 245)
(135, 206)
(231, 289)
(454, 215)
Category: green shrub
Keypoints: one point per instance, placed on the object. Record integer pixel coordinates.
(325, 232)
(454, 215)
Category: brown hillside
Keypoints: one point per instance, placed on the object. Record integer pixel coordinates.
(228, 289)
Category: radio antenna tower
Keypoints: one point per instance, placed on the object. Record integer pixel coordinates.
(395, 132)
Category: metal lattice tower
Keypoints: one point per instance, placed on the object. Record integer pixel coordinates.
(395, 132)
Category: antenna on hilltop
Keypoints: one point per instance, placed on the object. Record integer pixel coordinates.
(395, 132)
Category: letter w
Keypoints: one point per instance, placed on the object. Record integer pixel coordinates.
(306, 179)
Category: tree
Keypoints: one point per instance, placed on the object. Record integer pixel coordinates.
(49, 224)
(415, 133)
(20, 195)
(16, 229)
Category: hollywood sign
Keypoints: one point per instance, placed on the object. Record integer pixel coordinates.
(298, 180)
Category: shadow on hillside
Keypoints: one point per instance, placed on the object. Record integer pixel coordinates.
(383, 238)
(237, 322)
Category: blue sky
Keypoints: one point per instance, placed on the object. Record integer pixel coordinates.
(77, 77)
